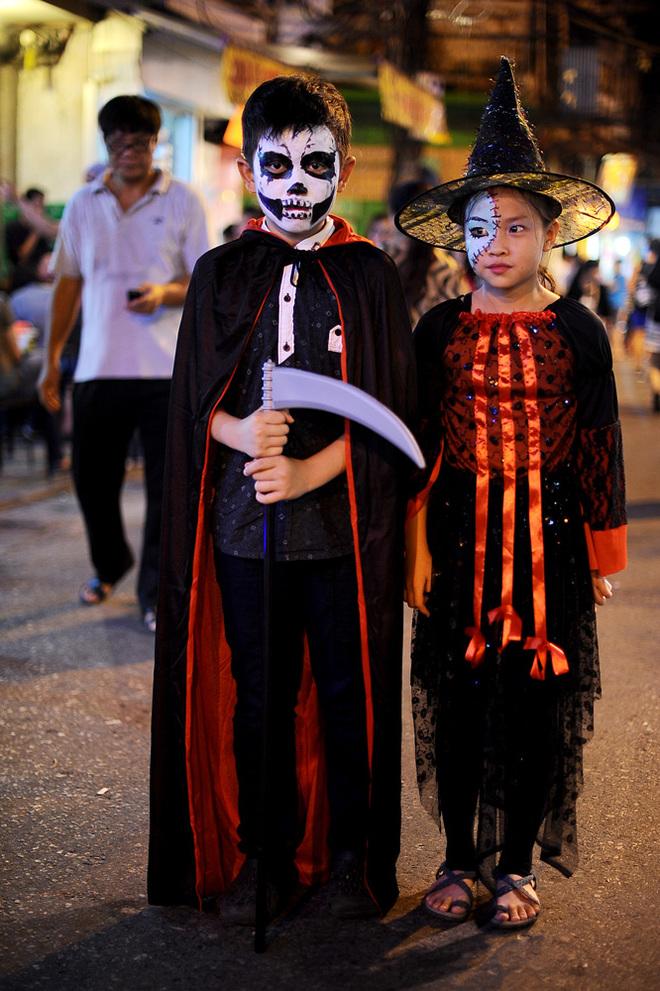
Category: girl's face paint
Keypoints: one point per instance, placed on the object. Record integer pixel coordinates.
(481, 226)
(296, 178)
(505, 238)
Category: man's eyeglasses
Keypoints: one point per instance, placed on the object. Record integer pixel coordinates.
(138, 142)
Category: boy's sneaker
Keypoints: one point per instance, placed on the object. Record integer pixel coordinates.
(346, 890)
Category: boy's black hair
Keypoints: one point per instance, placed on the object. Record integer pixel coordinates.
(296, 102)
(131, 114)
(34, 194)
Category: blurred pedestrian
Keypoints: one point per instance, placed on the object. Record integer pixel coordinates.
(20, 366)
(127, 245)
(518, 519)
(641, 297)
(428, 275)
(652, 330)
(618, 290)
(589, 289)
(562, 266)
(29, 240)
(378, 229)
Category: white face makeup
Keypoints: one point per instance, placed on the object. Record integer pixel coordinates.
(296, 178)
(481, 225)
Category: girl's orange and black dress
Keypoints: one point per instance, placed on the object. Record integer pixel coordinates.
(525, 493)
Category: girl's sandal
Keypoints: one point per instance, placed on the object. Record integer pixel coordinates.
(446, 878)
(506, 884)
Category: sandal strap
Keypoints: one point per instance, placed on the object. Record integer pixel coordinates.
(446, 877)
(506, 884)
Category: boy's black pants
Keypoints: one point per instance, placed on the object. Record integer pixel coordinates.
(318, 598)
(106, 413)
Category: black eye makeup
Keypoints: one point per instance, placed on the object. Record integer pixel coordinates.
(274, 164)
(320, 164)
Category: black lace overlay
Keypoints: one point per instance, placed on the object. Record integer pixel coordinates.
(517, 724)
(599, 458)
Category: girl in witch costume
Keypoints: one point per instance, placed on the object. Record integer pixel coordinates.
(300, 287)
(512, 532)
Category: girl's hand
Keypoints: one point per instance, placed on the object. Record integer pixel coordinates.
(418, 562)
(277, 478)
(602, 589)
(419, 568)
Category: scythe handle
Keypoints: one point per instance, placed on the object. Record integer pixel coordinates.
(269, 560)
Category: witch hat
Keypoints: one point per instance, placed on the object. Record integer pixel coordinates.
(505, 153)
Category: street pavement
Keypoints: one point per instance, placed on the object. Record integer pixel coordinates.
(75, 689)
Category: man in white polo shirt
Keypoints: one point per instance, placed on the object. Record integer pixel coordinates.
(126, 246)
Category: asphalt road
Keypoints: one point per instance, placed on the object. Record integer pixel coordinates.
(74, 717)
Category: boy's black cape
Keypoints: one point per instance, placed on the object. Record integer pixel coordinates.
(193, 842)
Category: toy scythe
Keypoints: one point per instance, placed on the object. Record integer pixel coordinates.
(291, 388)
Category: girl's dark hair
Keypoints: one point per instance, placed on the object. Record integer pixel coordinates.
(544, 206)
(131, 114)
(295, 102)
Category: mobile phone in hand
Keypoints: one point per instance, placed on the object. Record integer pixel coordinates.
(134, 294)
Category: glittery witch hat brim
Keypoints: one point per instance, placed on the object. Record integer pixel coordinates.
(505, 153)
(585, 207)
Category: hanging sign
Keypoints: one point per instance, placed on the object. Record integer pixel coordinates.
(406, 103)
(244, 70)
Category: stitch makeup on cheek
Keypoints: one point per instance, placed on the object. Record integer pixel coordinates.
(296, 177)
(481, 225)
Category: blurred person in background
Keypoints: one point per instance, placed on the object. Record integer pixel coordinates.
(588, 288)
(652, 329)
(29, 240)
(126, 247)
(379, 229)
(640, 296)
(618, 289)
(562, 266)
(429, 275)
(20, 365)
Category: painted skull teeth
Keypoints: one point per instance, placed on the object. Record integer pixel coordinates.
(297, 204)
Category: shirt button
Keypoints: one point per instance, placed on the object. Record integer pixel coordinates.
(287, 298)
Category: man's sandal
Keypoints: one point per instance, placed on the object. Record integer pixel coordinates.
(446, 878)
(93, 592)
(506, 884)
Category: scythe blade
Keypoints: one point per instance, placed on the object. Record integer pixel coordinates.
(293, 388)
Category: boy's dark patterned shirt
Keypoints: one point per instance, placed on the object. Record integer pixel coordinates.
(317, 525)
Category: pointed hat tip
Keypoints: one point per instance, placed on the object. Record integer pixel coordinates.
(506, 70)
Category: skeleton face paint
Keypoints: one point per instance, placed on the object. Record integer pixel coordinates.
(296, 178)
(481, 225)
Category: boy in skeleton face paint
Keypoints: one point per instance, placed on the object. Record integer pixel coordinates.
(300, 287)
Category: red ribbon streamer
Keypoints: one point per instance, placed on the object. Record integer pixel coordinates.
(539, 642)
(511, 623)
(542, 648)
(477, 646)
